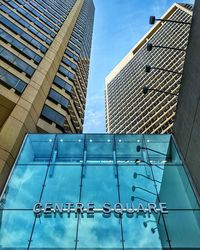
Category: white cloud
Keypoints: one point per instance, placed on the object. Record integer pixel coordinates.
(93, 121)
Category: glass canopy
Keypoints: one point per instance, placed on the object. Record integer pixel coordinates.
(130, 170)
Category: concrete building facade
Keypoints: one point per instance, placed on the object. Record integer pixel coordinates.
(128, 110)
(45, 52)
(187, 119)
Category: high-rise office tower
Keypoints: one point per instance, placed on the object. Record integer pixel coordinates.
(157, 63)
(45, 53)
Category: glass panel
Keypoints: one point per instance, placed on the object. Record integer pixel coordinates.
(146, 234)
(71, 156)
(99, 148)
(15, 229)
(184, 229)
(136, 185)
(158, 149)
(10, 25)
(22, 190)
(99, 185)
(62, 184)
(174, 187)
(54, 232)
(59, 82)
(58, 98)
(37, 149)
(99, 232)
(126, 147)
(20, 86)
(12, 81)
(174, 155)
(7, 55)
(70, 148)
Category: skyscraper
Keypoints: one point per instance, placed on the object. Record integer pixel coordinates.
(128, 110)
(45, 53)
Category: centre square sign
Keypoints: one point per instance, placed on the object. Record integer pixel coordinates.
(107, 208)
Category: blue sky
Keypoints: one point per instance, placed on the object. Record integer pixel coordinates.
(118, 26)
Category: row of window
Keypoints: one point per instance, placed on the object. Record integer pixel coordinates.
(71, 55)
(57, 8)
(23, 34)
(80, 32)
(62, 7)
(44, 11)
(16, 62)
(20, 47)
(51, 115)
(74, 48)
(11, 81)
(37, 14)
(25, 23)
(57, 98)
(75, 42)
(69, 63)
(31, 18)
(65, 72)
(63, 84)
(47, 11)
(77, 36)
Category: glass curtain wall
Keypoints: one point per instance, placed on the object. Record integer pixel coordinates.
(99, 168)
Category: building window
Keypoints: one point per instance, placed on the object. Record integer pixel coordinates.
(58, 98)
(11, 81)
(25, 23)
(74, 48)
(23, 34)
(30, 54)
(53, 116)
(65, 72)
(69, 63)
(16, 62)
(63, 84)
(71, 55)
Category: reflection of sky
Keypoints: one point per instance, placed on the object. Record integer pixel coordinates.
(94, 232)
(64, 185)
(25, 186)
(99, 232)
(15, 229)
(127, 181)
(141, 237)
(55, 232)
(100, 185)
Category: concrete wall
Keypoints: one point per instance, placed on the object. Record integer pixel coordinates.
(187, 120)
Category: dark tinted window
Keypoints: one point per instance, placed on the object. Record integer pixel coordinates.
(62, 84)
(20, 47)
(53, 116)
(71, 55)
(11, 81)
(69, 63)
(16, 62)
(66, 73)
(58, 98)
(22, 33)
